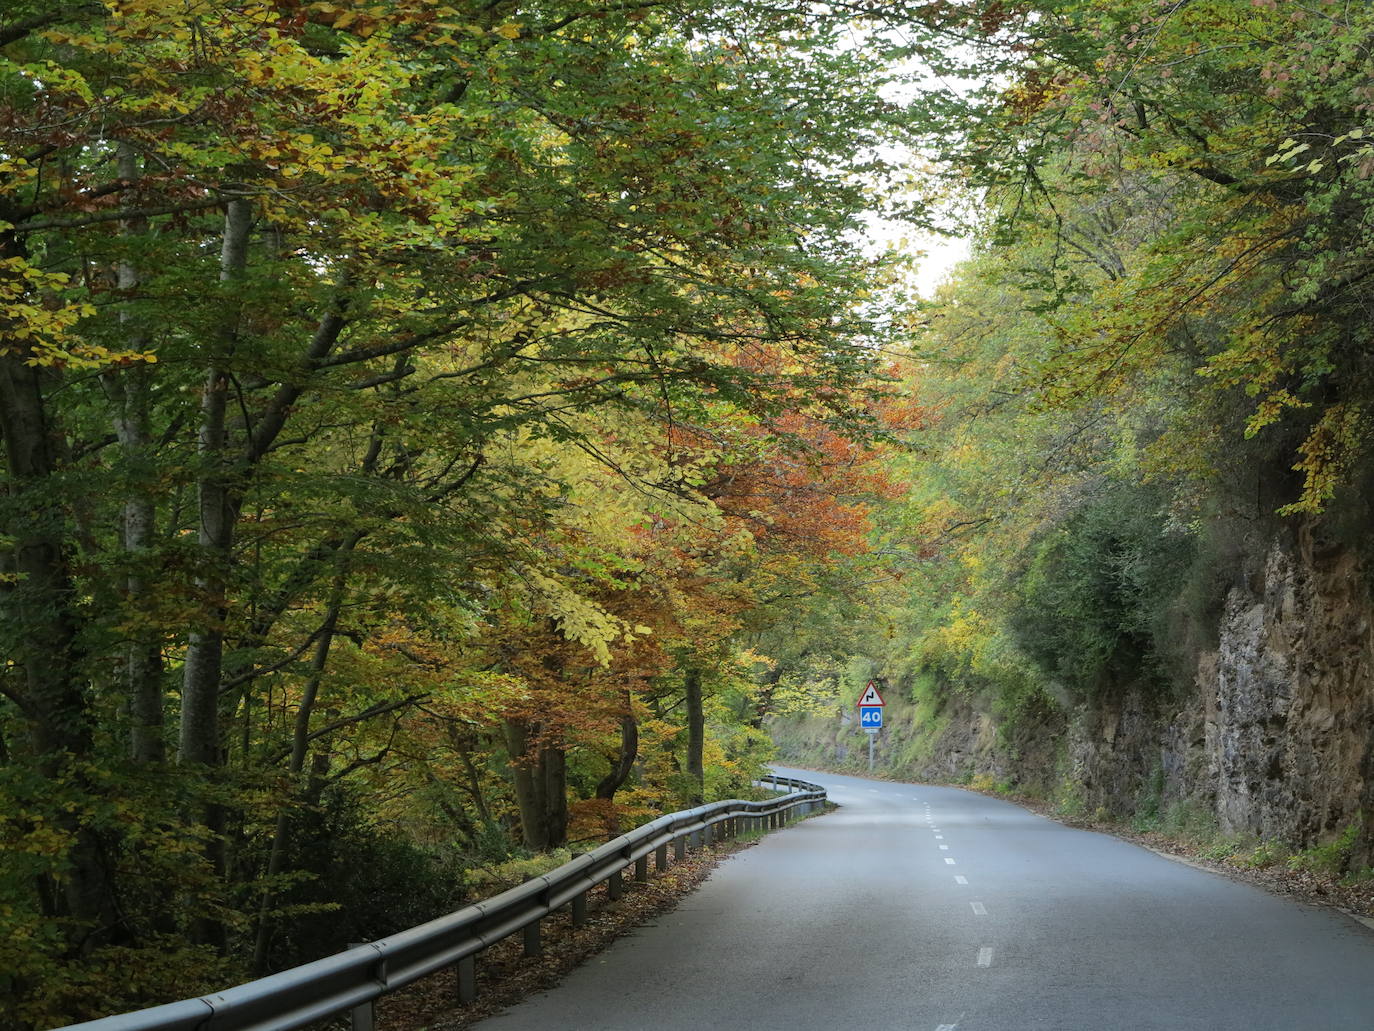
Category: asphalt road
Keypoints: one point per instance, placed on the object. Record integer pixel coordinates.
(941, 910)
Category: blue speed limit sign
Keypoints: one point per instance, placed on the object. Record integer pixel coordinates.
(871, 717)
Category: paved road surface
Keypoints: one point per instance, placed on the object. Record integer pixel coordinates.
(936, 909)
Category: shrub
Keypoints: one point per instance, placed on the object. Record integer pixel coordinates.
(361, 882)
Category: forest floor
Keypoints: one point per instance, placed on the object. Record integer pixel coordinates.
(505, 975)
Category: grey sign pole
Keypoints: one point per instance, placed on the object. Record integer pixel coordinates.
(872, 736)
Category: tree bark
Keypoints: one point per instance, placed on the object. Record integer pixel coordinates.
(130, 389)
(629, 752)
(300, 745)
(217, 508)
(696, 734)
(541, 786)
(764, 703)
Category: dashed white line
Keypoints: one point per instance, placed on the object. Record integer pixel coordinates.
(949, 862)
(944, 848)
(960, 879)
(979, 909)
(939, 837)
(985, 957)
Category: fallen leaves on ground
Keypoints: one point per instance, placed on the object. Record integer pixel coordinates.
(505, 975)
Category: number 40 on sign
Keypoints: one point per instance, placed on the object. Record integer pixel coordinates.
(871, 709)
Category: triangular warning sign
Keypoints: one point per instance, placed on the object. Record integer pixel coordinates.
(871, 696)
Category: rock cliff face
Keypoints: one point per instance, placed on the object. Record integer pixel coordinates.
(1289, 697)
(1275, 736)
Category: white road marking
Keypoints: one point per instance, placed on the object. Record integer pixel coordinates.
(949, 862)
(985, 957)
(939, 837)
(951, 1027)
(958, 879)
(979, 909)
(944, 848)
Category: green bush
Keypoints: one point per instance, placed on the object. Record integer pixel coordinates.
(359, 882)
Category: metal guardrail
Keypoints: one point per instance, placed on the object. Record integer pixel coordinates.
(352, 981)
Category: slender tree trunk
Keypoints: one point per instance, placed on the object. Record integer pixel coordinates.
(528, 787)
(40, 612)
(625, 761)
(553, 767)
(764, 703)
(300, 745)
(217, 509)
(130, 388)
(696, 734)
(474, 780)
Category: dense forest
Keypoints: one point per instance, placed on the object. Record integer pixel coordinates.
(438, 436)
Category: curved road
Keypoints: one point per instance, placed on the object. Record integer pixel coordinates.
(937, 909)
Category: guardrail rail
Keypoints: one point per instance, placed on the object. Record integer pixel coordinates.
(352, 981)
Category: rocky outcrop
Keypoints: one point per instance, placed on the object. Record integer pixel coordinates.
(1277, 733)
(1289, 696)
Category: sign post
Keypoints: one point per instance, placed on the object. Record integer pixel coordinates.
(871, 716)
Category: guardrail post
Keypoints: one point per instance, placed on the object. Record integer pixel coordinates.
(679, 849)
(579, 909)
(694, 839)
(661, 858)
(467, 979)
(708, 833)
(615, 885)
(642, 869)
(533, 946)
(363, 1017)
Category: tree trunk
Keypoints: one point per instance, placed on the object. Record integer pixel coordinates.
(217, 507)
(39, 610)
(199, 741)
(130, 389)
(696, 734)
(629, 752)
(764, 703)
(541, 786)
(553, 767)
(300, 744)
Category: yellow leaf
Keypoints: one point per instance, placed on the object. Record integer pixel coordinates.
(511, 30)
